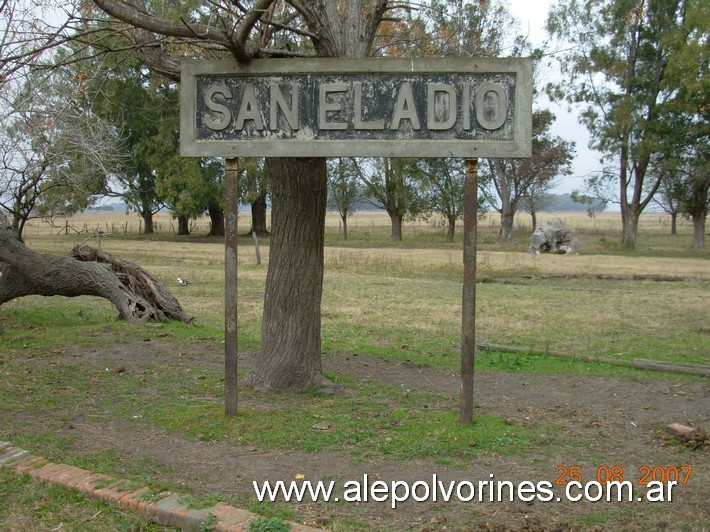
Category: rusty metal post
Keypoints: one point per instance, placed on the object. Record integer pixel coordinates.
(231, 208)
(468, 298)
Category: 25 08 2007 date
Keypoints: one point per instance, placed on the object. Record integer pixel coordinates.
(616, 473)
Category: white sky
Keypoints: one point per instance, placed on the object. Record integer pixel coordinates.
(532, 15)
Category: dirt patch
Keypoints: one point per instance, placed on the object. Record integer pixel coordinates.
(587, 421)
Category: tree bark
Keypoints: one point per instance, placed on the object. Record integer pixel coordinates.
(630, 223)
(533, 216)
(396, 232)
(183, 225)
(216, 214)
(504, 187)
(451, 230)
(505, 235)
(290, 338)
(699, 219)
(291, 344)
(345, 226)
(258, 216)
(88, 272)
(148, 225)
(674, 222)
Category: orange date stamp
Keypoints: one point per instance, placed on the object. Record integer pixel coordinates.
(615, 473)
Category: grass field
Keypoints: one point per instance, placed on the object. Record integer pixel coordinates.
(391, 333)
(650, 303)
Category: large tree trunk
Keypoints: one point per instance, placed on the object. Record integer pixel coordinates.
(396, 219)
(183, 225)
(630, 224)
(148, 225)
(258, 216)
(505, 235)
(451, 230)
(216, 214)
(291, 346)
(674, 222)
(88, 272)
(345, 226)
(504, 187)
(699, 228)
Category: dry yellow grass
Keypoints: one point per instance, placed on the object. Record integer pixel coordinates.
(511, 262)
(378, 221)
(193, 256)
(381, 296)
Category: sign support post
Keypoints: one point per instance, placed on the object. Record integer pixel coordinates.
(468, 297)
(346, 107)
(231, 210)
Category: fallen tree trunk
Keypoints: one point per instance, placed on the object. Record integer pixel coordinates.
(87, 272)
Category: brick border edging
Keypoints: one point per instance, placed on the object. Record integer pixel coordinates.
(164, 508)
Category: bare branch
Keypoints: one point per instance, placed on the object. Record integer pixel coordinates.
(140, 18)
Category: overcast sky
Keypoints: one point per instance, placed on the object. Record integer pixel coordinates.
(532, 15)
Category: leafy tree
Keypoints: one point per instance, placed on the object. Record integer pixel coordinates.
(687, 185)
(450, 28)
(55, 154)
(442, 182)
(697, 204)
(625, 66)
(254, 190)
(142, 105)
(393, 185)
(188, 188)
(687, 113)
(669, 197)
(536, 199)
(505, 182)
(592, 203)
(345, 188)
(446, 28)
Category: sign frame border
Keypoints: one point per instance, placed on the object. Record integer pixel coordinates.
(519, 147)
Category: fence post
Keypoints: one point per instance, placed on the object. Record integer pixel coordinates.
(256, 247)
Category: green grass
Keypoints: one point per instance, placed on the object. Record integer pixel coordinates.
(272, 524)
(27, 504)
(198, 502)
(371, 420)
(60, 357)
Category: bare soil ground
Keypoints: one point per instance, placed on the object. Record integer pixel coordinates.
(589, 421)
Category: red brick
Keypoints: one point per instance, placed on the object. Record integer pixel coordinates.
(68, 475)
(131, 501)
(88, 485)
(79, 478)
(45, 472)
(681, 431)
(27, 463)
(111, 492)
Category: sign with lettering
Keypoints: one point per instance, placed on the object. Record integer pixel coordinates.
(434, 107)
